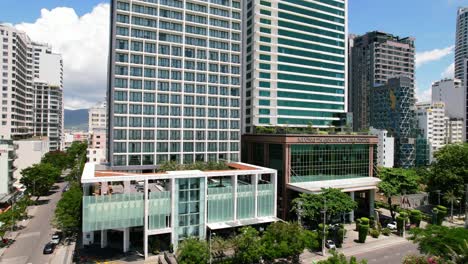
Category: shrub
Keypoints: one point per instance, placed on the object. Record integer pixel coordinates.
(415, 217)
(441, 214)
(375, 233)
(363, 229)
(358, 222)
(372, 222)
(340, 236)
(386, 232)
(401, 219)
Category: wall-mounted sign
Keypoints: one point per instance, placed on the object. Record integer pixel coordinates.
(332, 140)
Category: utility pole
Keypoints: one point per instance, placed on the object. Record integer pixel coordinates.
(324, 223)
(438, 200)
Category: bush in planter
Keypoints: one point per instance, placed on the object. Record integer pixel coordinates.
(375, 233)
(441, 214)
(415, 217)
(403, 217)
(363, 229)
(386, 232)
(340, 237)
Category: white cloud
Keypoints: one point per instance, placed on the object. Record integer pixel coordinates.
(83, 42)
(423, 95)
(449, 72)
(432, 55)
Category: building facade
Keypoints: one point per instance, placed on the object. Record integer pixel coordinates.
(306, 163)
(392, 108)
(461, 43)
(294, 63)
(455, 130)
(32, 89)
(29, 152)
(7, 169)
(97, 117)
(97, 146)
(451, 92)
(174, 82)
(17, 84)
(433, 122)
(170, 206)
(376, 57)
(385, 148)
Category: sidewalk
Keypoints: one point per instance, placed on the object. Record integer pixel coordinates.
(63, 254)
(350, 247)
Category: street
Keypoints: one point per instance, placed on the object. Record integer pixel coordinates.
(29, 244)
(393, 254)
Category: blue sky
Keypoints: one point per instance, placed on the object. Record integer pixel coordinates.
(431, 22)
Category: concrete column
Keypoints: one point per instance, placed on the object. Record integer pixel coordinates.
(127, 186)
(274, 178)
(126, 239)
(234, 194)
(371, 161)
(286, 180)
(103, 238)
(371, 202)
(145, 222)
(173, 212)
(351, 214)
(255, 182)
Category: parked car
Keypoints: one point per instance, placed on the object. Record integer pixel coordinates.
(330, 244)
(67, 188)
(49, 248)
(56, 238)
(392, 225)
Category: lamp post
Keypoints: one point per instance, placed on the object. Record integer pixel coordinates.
(438, 197)
(214, 234)
(324, 211)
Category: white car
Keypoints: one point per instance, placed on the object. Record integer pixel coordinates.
(392, 225)
(330, 244)
(55, 239)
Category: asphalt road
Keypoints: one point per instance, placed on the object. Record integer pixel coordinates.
(389, 255)
(30, 243)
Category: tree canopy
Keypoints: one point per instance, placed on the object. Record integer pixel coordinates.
(68, 211)
(442, 241)
(39, 178)
(395, 181)
(449, 171)
(247, 246)
(58, 159)
(193, 251)
(308, 206)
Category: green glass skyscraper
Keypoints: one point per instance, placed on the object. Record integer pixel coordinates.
(295, 63)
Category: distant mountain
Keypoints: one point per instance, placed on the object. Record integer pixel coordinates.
(76, 119)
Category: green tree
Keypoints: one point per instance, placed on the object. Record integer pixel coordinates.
(39, 178)
(396, 180)
(309, 206)
(363, 229)
(449, 171)
(340, 258)
(284, 240)
(58, 159)
(247, 246)
(415, 217)
(68, 211)
(76, 151)
(193, 251)
(440, 241)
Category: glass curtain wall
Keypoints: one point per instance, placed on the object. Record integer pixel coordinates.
(220, 200)
(329, 162)
(190, 208)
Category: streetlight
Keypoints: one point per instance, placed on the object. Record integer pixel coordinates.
(324, 211)
(438, 199)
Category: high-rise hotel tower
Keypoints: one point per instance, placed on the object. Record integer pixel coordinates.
(174, 82)
(295, 63)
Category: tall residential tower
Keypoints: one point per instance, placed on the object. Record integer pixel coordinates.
(376, 57)
(174, 82)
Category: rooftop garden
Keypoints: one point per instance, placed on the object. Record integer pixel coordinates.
(199, 165)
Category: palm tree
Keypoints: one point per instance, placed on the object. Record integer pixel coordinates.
(451, 198)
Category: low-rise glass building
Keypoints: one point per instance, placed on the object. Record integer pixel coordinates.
(167, 207)
(306, 163)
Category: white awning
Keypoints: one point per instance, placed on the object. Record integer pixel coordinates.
(346, 185)
(231, 224)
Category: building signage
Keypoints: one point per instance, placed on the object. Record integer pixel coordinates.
(332, 140)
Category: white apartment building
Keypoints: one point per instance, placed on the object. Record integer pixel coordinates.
(433, 123)
(97, 150)
(174, 90)
(31, 88)
(7, 157)
(29, 152)
(16, 84)
(452, 93)
(97, 117)
(385, 148)
(455, 130)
